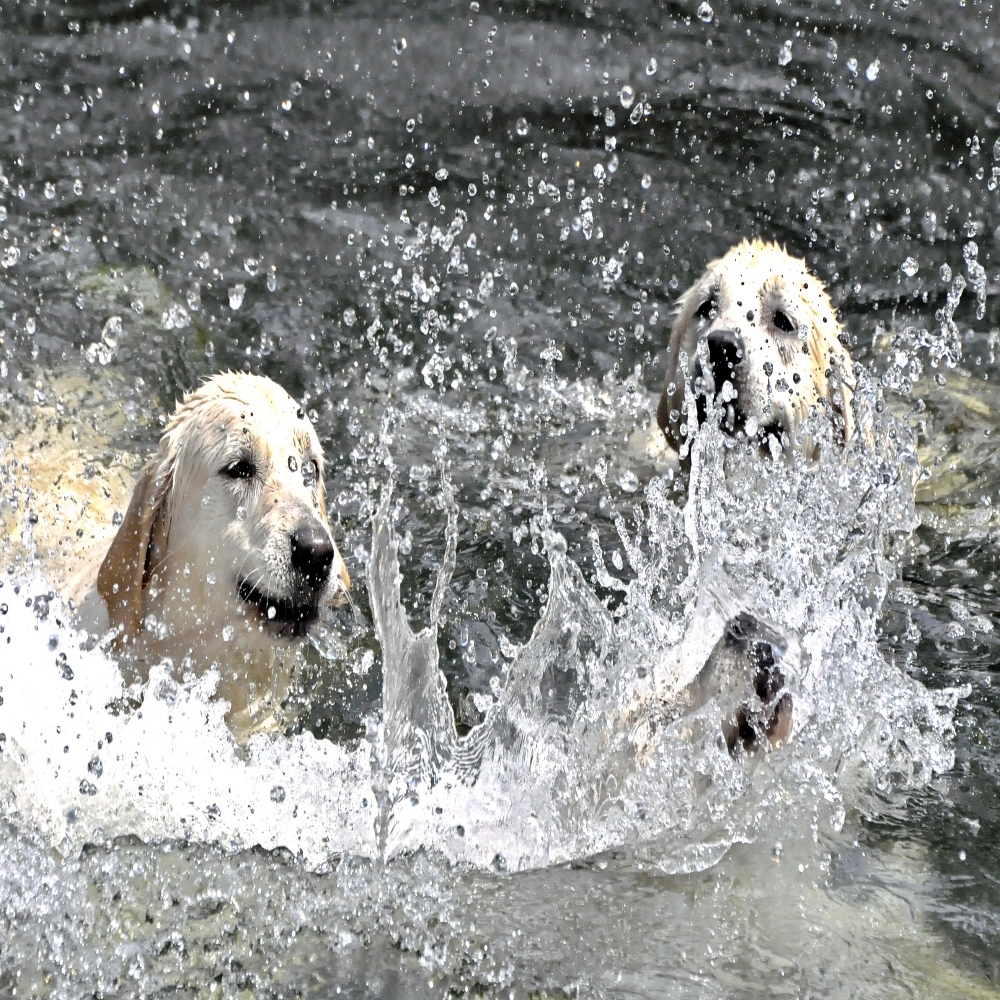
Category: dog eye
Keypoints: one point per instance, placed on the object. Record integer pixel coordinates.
(243, 469)
(782, 322)
(706, 310)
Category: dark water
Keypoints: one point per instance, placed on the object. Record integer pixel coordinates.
(244, 186)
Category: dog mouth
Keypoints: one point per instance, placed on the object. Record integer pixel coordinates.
(288, 617)
(736, 422)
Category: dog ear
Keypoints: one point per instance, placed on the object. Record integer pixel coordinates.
(676, 376)
(838, 387)
(124, 571)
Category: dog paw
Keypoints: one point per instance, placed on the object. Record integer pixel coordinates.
(766, 717)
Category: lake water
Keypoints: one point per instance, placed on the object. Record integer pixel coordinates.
(456, 234)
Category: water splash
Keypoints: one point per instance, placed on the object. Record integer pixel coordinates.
(587, 745)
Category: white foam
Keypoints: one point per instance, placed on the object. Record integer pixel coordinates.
(171, 769)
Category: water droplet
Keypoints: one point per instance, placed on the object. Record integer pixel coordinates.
(399, 46)
(996, 150)
(111, 334)
(627, 97)
(296, 88)
(651, 66)
(872, 71)
(785, 53)
(705, 13)
(278, 794)
(10, 257)
(441, 175)
(909, 267)
(241, 513)
(231, 37)
(95, 767)
(628, 480)
(522, 126)
(945, 273)
(227, 633)
(236, 294)
(194, 297)
(350, 316)
(50, 190)
(251, 266)
(203, 261)
(411, 124)
(272, 279)
(155, 107)
(18, 102)
(286, 104)
(646, 182)
(78, 187)
(770, 177)
(3, 212)
(272, 611)
(175, 318)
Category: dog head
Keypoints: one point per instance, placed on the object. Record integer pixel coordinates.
(227, 528)
(761, 338)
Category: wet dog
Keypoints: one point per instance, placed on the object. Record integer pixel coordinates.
(224, 556)
(756, 339)
(757, 334)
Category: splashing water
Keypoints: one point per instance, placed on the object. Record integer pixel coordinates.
(570, 768)
(584, 747)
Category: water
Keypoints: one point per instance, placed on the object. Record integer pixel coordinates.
(456, 234)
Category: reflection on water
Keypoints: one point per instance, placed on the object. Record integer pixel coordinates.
(456, 234)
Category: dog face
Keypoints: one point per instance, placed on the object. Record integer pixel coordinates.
(225, 548)
(760, 337)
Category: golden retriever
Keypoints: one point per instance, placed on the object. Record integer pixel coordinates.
(757, 334)
(224, 556)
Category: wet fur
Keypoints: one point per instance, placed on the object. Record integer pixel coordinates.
(785, 375)
(195, 539)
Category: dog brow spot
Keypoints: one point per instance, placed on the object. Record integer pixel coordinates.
(293, 463)
(749, 315)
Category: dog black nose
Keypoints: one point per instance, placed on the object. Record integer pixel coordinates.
(312, 553)
(725, 355)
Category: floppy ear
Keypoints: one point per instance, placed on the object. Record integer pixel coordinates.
(675, 376)
(123, 573)
(846, 407)
(836, 371)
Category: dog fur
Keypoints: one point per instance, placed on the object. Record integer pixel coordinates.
(757, 333)
(224, 555)
(757, 336)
